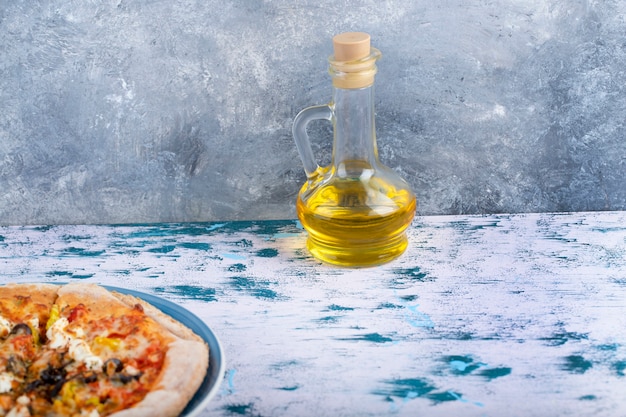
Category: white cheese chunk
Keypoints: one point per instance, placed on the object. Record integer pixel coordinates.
(33, 322)
(78, 332)
(79, 351)
(78, 348)
(131, 370)
(56, 334)
(23, 400)
(5, 382)
(21, 409)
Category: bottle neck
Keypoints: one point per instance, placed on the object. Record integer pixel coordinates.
(354, 142)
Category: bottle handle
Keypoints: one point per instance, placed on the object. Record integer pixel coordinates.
(323, 112)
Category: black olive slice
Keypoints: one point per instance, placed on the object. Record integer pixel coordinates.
(125, 378)
(52, 375)
(112, 366)
(21, 328)
(57, 388)
(89, 377)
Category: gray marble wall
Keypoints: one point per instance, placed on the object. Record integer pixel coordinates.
(181, 110)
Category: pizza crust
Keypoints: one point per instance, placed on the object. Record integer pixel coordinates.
(186, 360)
(185, 367)
(174, 326)
(39, 293)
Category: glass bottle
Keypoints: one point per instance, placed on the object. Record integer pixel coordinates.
(355, 210)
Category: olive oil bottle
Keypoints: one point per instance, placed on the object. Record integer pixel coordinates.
(355, 210)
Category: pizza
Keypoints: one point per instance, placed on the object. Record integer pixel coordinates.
(82, 350)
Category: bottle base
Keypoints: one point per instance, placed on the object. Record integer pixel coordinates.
(357, 256)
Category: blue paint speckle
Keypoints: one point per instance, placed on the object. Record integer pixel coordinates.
(290, 388)
(239, 409)
(415, 274)
(285, 364)
(59, 273)
(72, 251)
(193, 292)
(445, 396)
(411, 388)
(371, 337)
(229, 387)
(385, 306)
(244, 243)
(335, 307)
(195, 246)
(558, 339)
(267, 253)
(163, 230)
(458, 366)
(494, 373)
(264, 293)
(461, 336)
(258, 289)
(162, 249)
(70, 274)
(576, 364)
(462, 365)
(418, 319)
(328, 319)
(237, 268)
(608, 347)
(285, 235)
(465, 225)
(465, 365)
(81, 276)
(620, 368)
(406, 388)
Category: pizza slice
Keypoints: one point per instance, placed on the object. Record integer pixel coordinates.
(100, 353)
(24, 311)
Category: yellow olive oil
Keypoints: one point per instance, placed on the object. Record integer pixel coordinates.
(352, 222)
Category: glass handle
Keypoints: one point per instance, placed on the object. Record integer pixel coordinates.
(301, 136)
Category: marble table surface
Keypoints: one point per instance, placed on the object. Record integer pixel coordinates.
(517, 315)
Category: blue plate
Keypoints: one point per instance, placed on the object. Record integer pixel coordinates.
(215, 373)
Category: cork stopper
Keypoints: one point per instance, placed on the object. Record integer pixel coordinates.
(353, 64)
(351, 46)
